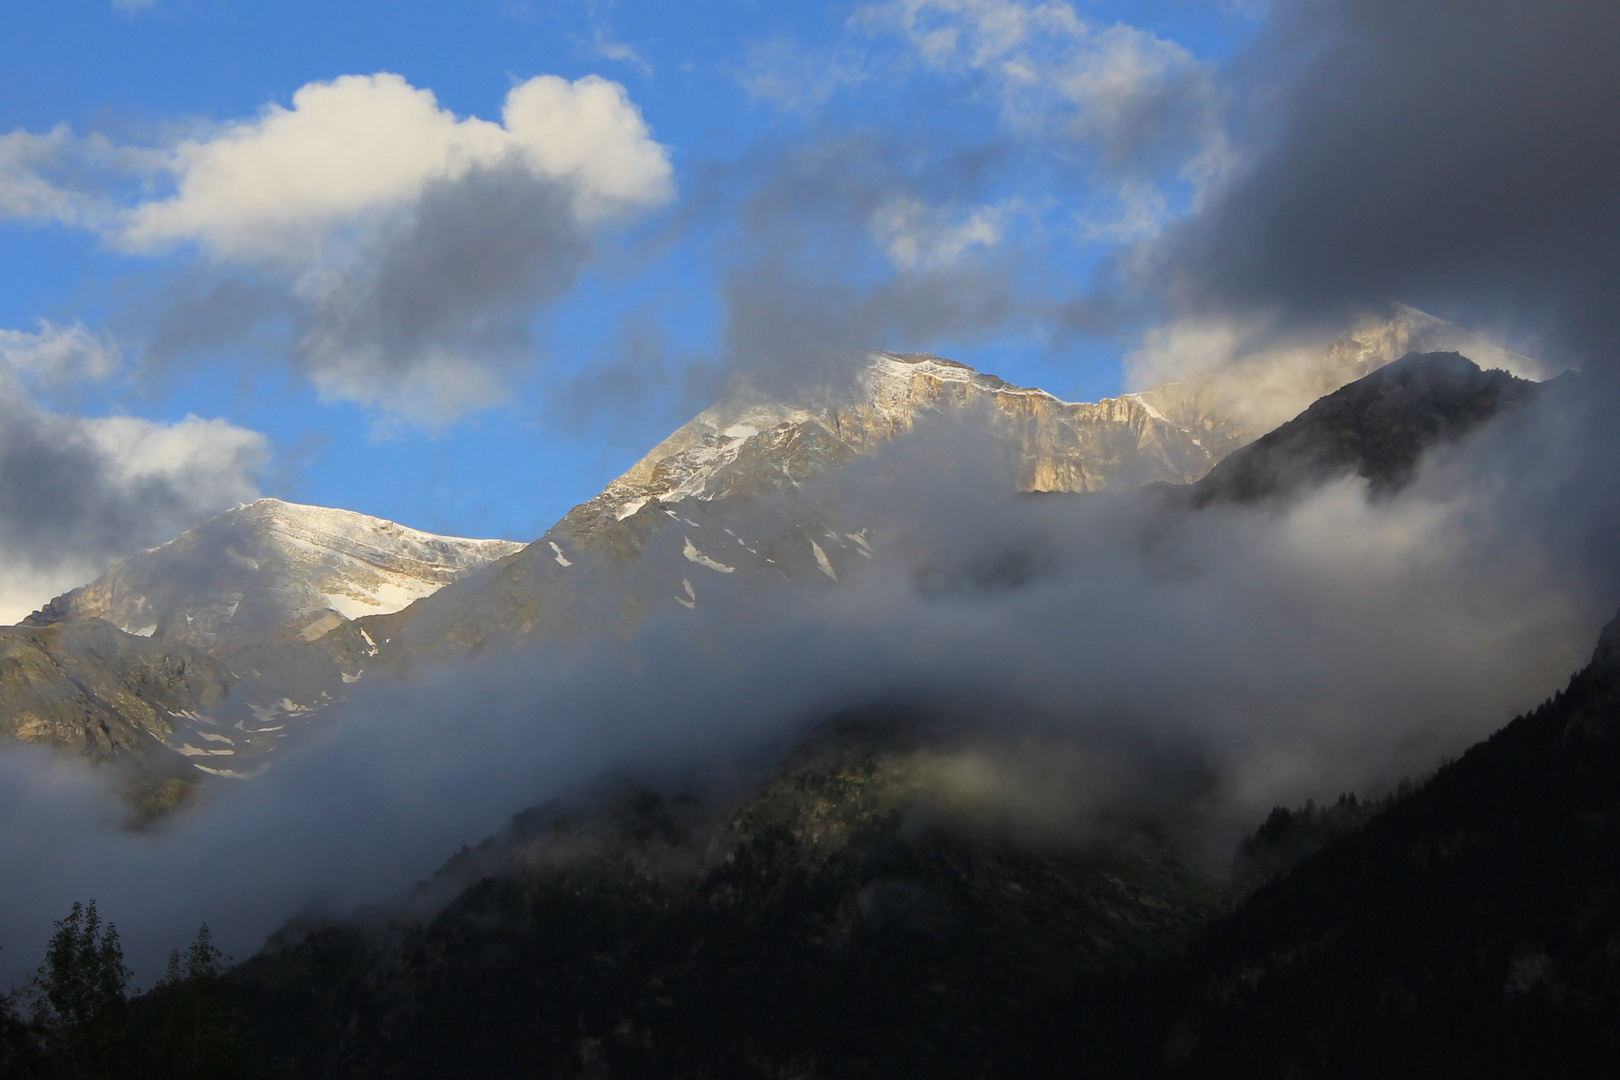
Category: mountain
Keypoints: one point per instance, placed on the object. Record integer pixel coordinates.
(1377, 428)
(863, 911)
(1229, 401)
(1472, 929)
(271, 569)
(202, 649)
(874, 902)
(749, 445)
(729, 496)
(857, 913)
(300, 603)
(100, 693)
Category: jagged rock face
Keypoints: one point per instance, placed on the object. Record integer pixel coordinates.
(271, 570)
(728, 498)
(88, 687)
(747, 445)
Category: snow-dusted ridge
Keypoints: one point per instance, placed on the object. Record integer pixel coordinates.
(748, 440)
(392, 565)
(273, 567)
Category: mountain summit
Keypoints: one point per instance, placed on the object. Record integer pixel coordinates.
(748, 443)
(271, 568)
(728, 497)
(201, 648)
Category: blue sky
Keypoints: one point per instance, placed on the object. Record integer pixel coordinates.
(957, 169)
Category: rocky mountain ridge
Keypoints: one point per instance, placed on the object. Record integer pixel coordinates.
(1058, 445)
(202, 655)
(1377, 427)
(271, 569)
(732, 495)
(1230, 404)
(732, 502)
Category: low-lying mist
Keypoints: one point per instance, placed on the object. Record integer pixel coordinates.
(1334, 642)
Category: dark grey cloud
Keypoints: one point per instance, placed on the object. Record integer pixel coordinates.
(1458, 155)
(638, 381)
(812, 284)
(77, 493)
(423, 317)
(437, 307)
(804, 237)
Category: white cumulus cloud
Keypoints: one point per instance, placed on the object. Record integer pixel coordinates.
(350, 151)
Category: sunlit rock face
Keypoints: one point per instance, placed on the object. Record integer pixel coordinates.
(271, 570)
(748, 444)
(86, 687)
(732, 496)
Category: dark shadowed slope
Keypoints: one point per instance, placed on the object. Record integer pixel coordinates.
(1472, 930)
(855, 915)
(1376, 428)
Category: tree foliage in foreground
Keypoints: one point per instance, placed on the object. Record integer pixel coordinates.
(77, 1019)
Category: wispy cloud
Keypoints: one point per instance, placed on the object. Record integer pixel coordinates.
(605, 44)
(917, 236)
(60, 354)
(1137, 100)
(784, 72)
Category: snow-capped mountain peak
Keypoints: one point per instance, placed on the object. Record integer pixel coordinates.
(272, 567)
(751, 442)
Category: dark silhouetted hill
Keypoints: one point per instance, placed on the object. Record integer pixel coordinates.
(1377, 428)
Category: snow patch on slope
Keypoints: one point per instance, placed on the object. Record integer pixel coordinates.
(694, 555)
